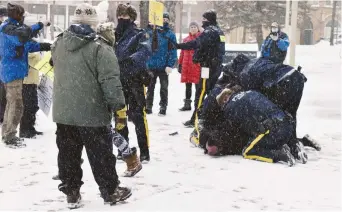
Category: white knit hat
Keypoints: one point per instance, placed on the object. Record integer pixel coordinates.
(85, 14)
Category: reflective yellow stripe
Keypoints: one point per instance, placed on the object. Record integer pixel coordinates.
(146, 128)
(256, 157)
(145, 90)
(199, 105)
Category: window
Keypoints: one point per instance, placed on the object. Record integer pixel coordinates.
(328, 3)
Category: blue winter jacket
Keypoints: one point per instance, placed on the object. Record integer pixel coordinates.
(15, 44)
(275, 50)
(132, 50)
(165, 55)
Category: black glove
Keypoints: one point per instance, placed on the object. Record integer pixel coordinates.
(180, 68)
(45, 46)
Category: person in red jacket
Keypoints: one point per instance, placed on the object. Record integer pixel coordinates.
(190, 72)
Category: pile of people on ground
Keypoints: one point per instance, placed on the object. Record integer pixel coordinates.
(100, 75)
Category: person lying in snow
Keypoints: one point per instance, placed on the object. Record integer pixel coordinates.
(280, 83)
(250, 123)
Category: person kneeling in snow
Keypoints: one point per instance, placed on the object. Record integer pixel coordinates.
(251, 124)
(282, 84)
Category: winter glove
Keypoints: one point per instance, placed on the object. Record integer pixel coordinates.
(224, 96)
(146, 77)
(179, 68)
(45, 46)
(274, 36)
(121, 119)
(168, 70)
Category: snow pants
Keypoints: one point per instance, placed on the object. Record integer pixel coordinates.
(30, 100)
(135, 100)
(99, 147)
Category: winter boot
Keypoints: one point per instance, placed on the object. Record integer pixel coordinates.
(189, 124)
(144, 156)
(15, 143)
(74, 200)
(162, 112)
(299, 153)
(308, 141)
(120, 194)
(286, 156)
(133, 164)
(187, 105)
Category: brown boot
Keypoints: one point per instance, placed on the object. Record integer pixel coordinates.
(133, 164)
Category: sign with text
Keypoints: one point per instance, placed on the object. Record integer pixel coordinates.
(45, 94)
(230, 55)
(155, 15)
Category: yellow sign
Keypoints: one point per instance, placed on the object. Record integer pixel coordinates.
(44, 66)
(223, 38)
(155, 15)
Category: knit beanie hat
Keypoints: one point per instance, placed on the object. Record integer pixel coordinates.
(85, 14)
(166, 15)
(127, 9)
(194, 23)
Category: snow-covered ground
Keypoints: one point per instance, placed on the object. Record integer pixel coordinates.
(181, 177)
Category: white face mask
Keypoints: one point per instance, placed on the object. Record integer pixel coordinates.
(273, 29)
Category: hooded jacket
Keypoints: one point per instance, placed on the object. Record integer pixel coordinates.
(87, 85)
(15, 44)
(165, 55)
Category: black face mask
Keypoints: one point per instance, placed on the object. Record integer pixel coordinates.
(123, 25)
(166, 25)
(205, 24)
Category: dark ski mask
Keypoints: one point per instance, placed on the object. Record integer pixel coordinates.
(165, 25)
(123, 25)
(205, 24)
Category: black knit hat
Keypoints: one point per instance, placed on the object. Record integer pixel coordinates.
(210, 15)
(3, 11)
(166, 15)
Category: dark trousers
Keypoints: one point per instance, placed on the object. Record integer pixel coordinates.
(98, 144)
(2, 101)
(204, 89)
(30, 101)
(164, 89)
(135, 99)
(267, 148)
(188, 91)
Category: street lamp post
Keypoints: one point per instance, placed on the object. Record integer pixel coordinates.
(293, 38)
(287, 16)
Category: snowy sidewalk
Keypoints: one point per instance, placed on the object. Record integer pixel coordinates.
(181, 177)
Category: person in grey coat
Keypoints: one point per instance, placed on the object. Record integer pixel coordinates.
(86, 92)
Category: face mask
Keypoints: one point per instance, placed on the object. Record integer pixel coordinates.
(205, 24)
(123, 24)
(165, 25)
(273, 29)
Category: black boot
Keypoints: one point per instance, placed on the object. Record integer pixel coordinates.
(162, 112)
(74, 200)
(308, 141)
(189, 124)
(187, 105)
(120, 194)
(148, 110)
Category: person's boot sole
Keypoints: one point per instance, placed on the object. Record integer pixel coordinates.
(131, 174)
